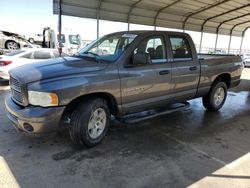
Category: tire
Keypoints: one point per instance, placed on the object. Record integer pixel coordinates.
(31, 40)
(216, 97)
(12, 45)
(90, 122)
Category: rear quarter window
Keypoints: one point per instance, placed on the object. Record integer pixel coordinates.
(42, 55)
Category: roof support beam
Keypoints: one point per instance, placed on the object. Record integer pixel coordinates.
(225, 21)
(218, 15)
(202, 10)
(242, 38)
(231, 32)
(130, 10)
(164, 8)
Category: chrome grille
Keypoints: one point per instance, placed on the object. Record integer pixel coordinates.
(16, 90)
(15, 84)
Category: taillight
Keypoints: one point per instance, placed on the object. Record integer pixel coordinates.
(5, 63)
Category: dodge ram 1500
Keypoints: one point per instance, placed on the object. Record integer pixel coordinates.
(119, 74)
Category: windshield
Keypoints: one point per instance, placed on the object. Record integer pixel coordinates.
(108, 48)
(75, 39)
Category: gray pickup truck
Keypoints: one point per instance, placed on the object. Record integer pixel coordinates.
(115, 76)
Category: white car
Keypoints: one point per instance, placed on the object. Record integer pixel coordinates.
(21, 57)
(13, 41)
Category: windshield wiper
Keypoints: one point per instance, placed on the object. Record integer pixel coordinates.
(92, 53)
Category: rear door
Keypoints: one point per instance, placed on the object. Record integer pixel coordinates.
(145, 86)
(185, 67)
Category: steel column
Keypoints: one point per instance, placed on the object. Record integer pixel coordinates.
(216, 40)
(98, 18)
(201, 42)
(60, 27)
(97, 27)
(241, 42)
(228, 49)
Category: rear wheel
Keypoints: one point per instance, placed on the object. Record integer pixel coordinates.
(11, 45)
(216, 97)
(90, 122)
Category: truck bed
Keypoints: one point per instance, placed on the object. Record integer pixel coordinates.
(218, 58)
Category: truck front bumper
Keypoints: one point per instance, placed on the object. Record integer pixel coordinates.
(33, 119)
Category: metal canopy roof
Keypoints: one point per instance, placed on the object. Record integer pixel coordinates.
(228, 17)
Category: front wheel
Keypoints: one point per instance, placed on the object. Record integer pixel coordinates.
(31, 40)
(216, 97)
(90, 122)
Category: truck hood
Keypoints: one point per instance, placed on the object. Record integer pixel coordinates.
(55, 68)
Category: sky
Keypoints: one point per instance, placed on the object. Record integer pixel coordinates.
(28, 17)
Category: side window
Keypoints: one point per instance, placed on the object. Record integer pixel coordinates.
(27, 56)
(180, 48)
(154, 46)
(41, 55)
(62, 38)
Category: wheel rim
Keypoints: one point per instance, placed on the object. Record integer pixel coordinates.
(97, 123)
(219, 96)
(12, 45)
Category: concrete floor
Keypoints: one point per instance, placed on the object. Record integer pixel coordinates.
(188, 148)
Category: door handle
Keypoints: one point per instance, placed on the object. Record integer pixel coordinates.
(164, 72)
(193, 68)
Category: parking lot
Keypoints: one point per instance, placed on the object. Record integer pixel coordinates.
(191, 147)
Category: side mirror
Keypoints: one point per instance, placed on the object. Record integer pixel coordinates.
(141, 59)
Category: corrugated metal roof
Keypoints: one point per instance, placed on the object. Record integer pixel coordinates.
(212, 16)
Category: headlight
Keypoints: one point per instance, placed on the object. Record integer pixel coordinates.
(42, 99)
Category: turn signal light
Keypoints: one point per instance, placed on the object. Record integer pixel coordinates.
(5, 63)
